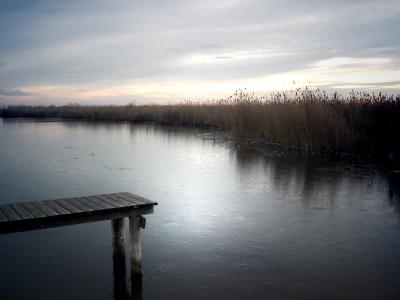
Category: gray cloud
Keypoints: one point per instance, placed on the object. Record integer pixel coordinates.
(14, 93)
(103, 43)
(369, 84)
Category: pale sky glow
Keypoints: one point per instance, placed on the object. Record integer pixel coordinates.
(228, 57)
(113, 52)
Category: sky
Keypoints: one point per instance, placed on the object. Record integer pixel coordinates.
(116, 52)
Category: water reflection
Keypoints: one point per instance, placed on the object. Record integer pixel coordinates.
(394, 190)
(316, 181)
(232, 222)
(137, 287)
(120, 287)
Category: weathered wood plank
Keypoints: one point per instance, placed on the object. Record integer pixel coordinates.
(128, 198)
(80, 204)
(116, 202)
(46, 209)
(34, 211)
(3, 217)
(22, 211)
(102, 204)
(50, 213)
(93, 206)
(72, 219)
(56, 207)
(128, 203)
(10, 213)
(110, 204)
(137, 197)
(68, 206)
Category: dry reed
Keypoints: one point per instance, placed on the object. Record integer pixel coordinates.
(360, 123)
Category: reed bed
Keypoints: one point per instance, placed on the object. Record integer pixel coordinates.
(360, 123)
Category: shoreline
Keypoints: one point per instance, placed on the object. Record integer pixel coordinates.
(360, 125)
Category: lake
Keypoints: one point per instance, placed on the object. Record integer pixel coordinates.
(233, 222)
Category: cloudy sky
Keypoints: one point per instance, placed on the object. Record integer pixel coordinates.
(149, 51)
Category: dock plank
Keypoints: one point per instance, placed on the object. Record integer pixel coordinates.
(46, 209)
(92, 205)
(95, 205)
(126, 198)
(129, 203)
(68, 206)
(102, 204)
(10, 213)
(109, 204)
(33, 210)
(56, 207)
(132, 198)
(142, 199)
(81, 205)
(137, 197)
(3, 217)
(25, 216)
(22, 211)
(114, 202)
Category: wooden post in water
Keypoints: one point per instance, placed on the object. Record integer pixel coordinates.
(119, 269)
(136, 245)
(118, 237)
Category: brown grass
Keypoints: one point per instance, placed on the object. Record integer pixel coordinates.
(360, 123)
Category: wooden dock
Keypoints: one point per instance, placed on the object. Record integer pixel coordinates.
(24, 216)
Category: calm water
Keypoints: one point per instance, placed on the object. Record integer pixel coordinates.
(231, 223)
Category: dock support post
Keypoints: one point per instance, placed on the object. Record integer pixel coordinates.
(119, 268)
(136, 245)
(118, 238)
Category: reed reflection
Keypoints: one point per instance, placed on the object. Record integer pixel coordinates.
(394, 190)
(317, 182)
